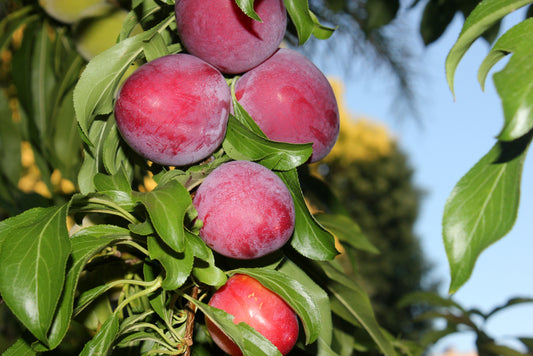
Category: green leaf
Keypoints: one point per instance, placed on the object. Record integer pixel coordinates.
(380, 13)
(85, 244)
(486, 14)
(515, 85)
(303, 302)
(177, 265)
(355, 302)
(34, 252)
(319, 296)
(204, 269)
(347, 231)
(118, 181)
(510, 303)
(436, 17)
(482, 207)
(309, 238)
(305, 21)
(242, 144)
(19, 348)
(95, 90)
(116, 154)
(103, 341)
(247, 338)
(429, 298)
(166, 206)
(247, 6)
(155, 48)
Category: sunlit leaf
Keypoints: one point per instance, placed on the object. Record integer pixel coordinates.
(242, 144)
(482, 207)
(34, 252)
(20, 348)
(305, 21)
(486, 14)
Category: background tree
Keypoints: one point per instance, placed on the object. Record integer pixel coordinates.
(373, 180)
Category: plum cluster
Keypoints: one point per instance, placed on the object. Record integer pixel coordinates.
(174, 111)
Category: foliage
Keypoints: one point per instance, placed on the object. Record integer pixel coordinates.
(459, 319)
(483, 206)
(119, 261)
(373, 181)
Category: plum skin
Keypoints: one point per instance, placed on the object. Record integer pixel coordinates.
(292, 101)
(174, 110)
(249, 301)
(246, 210)
(221, 34)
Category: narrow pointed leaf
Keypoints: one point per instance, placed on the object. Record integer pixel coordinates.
(19, 348)
(486, 14)
(305, 302)
(103, 341)
(242, 144)
(305, 21)
(247, 6)
(34, 252)
(247, 338)
(482, 207)
(309, 238)
(167, 205)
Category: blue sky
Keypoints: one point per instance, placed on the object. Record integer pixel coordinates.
(452, 137)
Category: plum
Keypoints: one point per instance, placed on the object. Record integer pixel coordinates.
(292, 101)
(221, 34)
(246, 210)
(174, 110)
(249, 301)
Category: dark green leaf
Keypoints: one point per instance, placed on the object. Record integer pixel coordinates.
(380, 13)
(247, 6)
(85, 244)
(247, 338)
(436, 17)
(19, 348)
(158, 298)
(103, 341)
(347, 231)
(309, 238)
(482, 207)
(155, 48)
(485, 15)
(242, 144)
(34, 252)
(355, 302)
(177, 265)
(88, 296)
(167, 205)
(429, 298)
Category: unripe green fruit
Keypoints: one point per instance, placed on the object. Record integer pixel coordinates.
(95, 35)
(71, 11)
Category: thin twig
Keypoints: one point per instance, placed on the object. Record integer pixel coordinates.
(191, 312)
